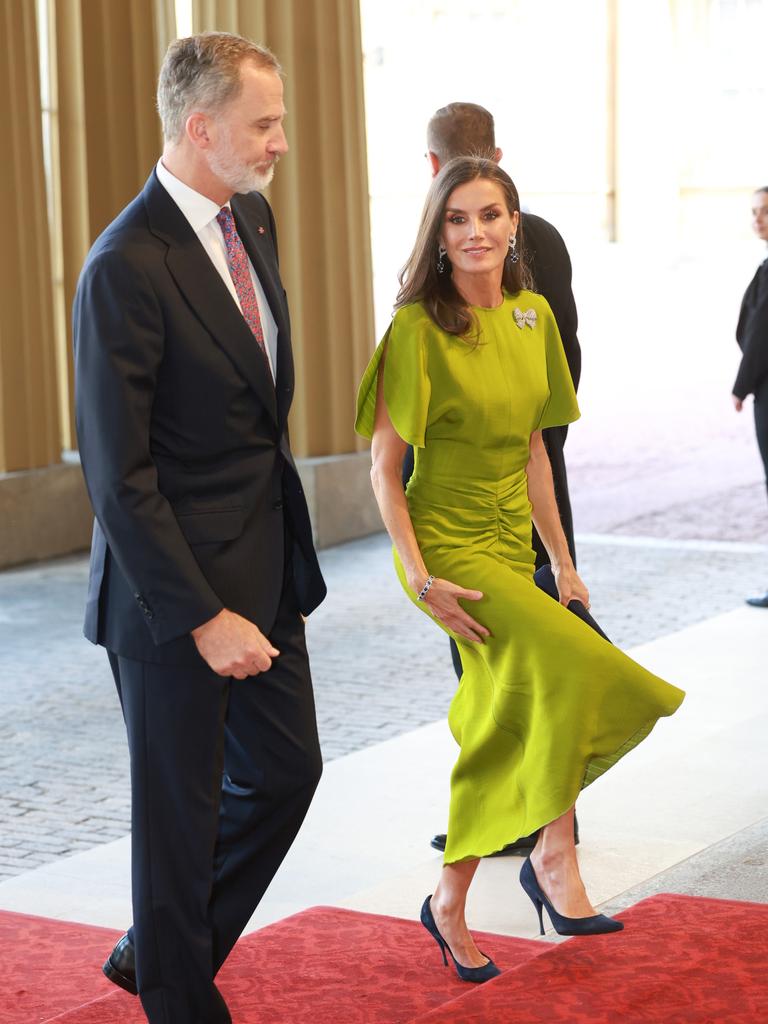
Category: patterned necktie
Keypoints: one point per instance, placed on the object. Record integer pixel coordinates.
(237, 258)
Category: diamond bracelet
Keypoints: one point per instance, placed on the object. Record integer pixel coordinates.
(425, 588)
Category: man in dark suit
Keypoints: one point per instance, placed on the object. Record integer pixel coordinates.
(466, 129)
(752, 338)
(202, 562)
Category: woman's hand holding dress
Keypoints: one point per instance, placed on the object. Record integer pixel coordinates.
(443, 601)
(570, 586)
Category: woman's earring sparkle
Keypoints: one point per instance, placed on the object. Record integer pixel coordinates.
(513, 255)
(442, 263)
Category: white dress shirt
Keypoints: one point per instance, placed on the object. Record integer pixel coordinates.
(201, 213)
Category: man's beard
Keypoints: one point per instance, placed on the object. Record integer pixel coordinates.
(236, 174)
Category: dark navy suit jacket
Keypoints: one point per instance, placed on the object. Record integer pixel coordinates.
(550, 264)
(183, 435)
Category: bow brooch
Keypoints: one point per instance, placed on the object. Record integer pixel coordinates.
(522, 318)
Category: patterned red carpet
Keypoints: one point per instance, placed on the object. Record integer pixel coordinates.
(324, 966)
(679, 961)
(47, 967)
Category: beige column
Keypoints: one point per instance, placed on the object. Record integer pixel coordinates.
(29, 429)
(107, 56)
(611, 113)
(320, 199)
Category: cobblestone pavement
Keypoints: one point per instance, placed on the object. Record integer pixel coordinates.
(380, 669)
(741, 511)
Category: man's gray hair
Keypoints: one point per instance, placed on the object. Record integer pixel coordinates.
(202, 72)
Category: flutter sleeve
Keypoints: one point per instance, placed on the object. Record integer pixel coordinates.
(561, 407)
(406, 381)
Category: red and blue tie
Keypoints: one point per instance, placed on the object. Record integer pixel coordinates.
(237, 259)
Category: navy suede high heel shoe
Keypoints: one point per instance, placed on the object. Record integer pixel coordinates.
(597, 924)
(476, 974)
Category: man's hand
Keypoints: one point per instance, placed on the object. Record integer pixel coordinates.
(738, 404)
(233, 646)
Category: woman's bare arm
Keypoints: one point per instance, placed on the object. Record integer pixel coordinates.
(387, 454)
(546, 519)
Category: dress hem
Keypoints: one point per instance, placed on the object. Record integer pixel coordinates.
(594, 768)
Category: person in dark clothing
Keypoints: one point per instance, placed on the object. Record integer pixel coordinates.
(752, 337)
(466, 129)
(202, 563)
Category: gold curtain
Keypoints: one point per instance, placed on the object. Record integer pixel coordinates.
(29, 429)
(243, 17)
(107, 56)
(320, 198)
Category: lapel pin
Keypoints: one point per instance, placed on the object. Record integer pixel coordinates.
(261, 230)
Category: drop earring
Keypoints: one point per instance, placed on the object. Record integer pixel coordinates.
(442, 262)
(513, 255)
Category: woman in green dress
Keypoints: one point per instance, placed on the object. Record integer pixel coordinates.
(470, 372)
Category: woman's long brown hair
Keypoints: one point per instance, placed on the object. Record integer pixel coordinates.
(419, 278)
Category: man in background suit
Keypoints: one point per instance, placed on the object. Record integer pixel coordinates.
(752, 338)
(202, 562)
(466, 129)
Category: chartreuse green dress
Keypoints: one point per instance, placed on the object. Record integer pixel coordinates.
(545, 705)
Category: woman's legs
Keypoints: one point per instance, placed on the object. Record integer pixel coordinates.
(557, 869)
(448, 904)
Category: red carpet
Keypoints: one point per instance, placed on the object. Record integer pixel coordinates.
(47, 967)
(679, 961)
(324, 966)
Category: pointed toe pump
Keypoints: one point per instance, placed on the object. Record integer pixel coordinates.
(476, 974)
(597, 924)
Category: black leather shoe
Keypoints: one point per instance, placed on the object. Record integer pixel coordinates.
(759, 602)
(520, 848)
(120, 966)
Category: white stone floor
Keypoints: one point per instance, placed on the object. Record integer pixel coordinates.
(699, 778)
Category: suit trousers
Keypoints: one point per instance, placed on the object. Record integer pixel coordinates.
(222, 774)
(761, 422)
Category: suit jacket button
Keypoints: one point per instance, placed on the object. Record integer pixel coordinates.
(277, 505)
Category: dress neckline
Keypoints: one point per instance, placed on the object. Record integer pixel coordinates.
(492, 309)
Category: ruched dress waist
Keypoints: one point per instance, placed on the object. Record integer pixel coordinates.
(487, 508)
